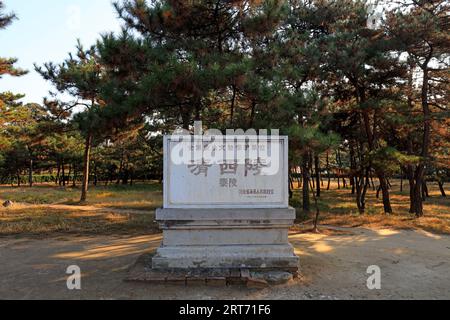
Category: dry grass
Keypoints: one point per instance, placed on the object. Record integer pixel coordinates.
(47, 210)
(338, 208)
(138, 197)
(44, 222)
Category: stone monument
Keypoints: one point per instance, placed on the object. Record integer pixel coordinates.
(227, 213)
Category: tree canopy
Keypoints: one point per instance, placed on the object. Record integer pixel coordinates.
(361, 99)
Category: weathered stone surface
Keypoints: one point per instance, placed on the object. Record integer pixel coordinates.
(273, 277)
(216, 282)
(226, 236)
(176, 278)
(209, 192)
(206, 238)
(176, 282)
(220, 217)
(245, 273)
(235, 278)
(217, 277)
(235, 257)
(194, 281)
(254, 283)
(209, 224)
(278, 277)
(147, 276)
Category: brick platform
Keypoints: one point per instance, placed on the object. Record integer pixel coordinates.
(255, 279)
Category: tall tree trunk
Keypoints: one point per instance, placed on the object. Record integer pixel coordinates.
(86, 160)
(420, 171)
(361, 181)
(352, 168)
(372, 142)
(305, 174)
(291, 185)
(401, 180)
(119, 176)
(70, 173)
(95, 174)
(186, 116)
(339, 163)
(441, 188)
(126, 175)
(418, 202)
(74, 183)
(372, 183)
(412, 186)
(58, 173)
(365, 188)
(352, 184)
(291, 188)
(328, 171)
(317, 165)
(30, 173)
(316, 219)
(63, 173)
(386, 197)
(410, 171)
(359, 194)
(362, 184)
(252, 114)
(233, 103)
(425, 193)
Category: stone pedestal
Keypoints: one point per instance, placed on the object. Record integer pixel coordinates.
(226, 239)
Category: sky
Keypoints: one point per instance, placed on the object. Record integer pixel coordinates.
(47, 30)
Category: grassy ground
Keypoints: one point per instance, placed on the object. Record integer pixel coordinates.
(338, 208)
(49, 210)
(46, 209)
(140, 196)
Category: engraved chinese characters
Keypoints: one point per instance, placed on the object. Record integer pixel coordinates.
(243, 173)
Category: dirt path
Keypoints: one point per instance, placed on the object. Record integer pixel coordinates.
(414, 264)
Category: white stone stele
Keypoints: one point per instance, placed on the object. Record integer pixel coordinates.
(226, 238)
(185, 187)
(221, 232)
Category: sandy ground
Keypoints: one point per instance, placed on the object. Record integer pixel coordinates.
(414, 265)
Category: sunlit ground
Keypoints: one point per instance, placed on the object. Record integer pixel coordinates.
(46, 230)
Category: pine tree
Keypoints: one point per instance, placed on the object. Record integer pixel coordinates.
(8, 101)
(186, 60)
(81, 77)
(428, 50)
(7, 64)
(364, 63)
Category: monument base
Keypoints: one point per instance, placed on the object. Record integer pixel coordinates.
(255, 239)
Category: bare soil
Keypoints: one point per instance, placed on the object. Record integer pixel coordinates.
(415, 264)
